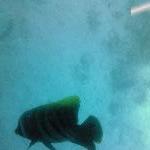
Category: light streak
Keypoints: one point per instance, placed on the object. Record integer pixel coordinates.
(140, 9)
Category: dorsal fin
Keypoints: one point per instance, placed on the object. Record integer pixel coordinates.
(64, 111)
(67, 101)
(68, 109)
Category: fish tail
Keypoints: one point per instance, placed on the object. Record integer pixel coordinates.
(92, 128)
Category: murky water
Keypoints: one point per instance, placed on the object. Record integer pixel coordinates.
(93, 49)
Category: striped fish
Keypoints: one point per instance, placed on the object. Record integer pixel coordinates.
(58, 122)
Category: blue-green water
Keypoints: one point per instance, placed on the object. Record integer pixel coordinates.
(93, 49)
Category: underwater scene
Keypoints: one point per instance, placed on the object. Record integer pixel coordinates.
(74, 75)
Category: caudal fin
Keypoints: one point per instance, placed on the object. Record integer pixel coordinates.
(92, 128)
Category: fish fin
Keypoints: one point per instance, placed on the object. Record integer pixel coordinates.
(66, 111)
(49, 145)
(68, 101)
(91, 146)
(92, 129)
(31, 144)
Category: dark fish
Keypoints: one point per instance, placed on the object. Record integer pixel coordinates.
(58, 122)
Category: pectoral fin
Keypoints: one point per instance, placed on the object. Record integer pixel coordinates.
(49, 145)
(91, 146)
(31, 144)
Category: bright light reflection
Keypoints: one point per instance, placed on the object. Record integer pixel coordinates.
(140, 9)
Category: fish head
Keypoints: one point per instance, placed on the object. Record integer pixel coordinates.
(18, 130)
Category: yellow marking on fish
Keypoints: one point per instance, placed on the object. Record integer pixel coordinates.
(68, 101)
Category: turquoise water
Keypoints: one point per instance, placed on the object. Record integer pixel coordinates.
(93, 49)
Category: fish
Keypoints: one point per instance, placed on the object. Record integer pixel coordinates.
(58, 122)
